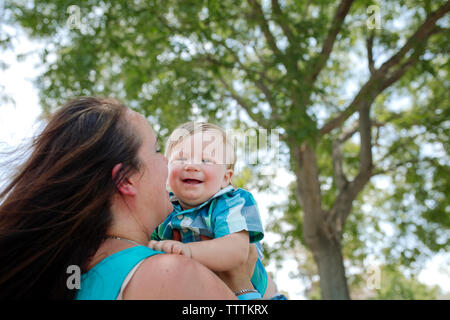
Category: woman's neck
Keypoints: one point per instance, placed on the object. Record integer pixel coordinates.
(125, 227)
(120, 230)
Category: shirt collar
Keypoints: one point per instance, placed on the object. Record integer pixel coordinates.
(173, 198)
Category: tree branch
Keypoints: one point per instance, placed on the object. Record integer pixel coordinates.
(258, 81)
(366, 93)
(336, 158)
(422, 33)
(380, 171)
(400, 164)
(400, 71)
(365, 154)
(397, 147)
(348, 191)
(369, 46)
(262, 61)
(258, 117)
(355, 128)
(280, 19)
(259, 14)
(385, 76)
(328, 44)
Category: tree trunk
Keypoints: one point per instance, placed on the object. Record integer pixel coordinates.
(321, 234)
(328, 257)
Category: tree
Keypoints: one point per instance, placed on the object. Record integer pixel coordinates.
(280, 64)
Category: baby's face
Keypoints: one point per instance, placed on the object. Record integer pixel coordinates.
(197, 168)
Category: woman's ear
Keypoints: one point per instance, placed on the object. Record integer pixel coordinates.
(125, 187)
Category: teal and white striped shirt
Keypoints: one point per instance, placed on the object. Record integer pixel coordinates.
(228, 211)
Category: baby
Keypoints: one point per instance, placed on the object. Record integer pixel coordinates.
(201, 164)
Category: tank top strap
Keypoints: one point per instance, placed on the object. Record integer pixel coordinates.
(105, 280)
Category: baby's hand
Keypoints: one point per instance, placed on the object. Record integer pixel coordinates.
(170, 246)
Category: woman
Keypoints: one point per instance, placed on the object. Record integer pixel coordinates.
(93, 190)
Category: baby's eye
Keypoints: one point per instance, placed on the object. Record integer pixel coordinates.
(207, 161)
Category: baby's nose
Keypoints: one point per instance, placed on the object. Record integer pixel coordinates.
(190, 166)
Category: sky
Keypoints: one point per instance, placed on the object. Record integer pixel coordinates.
(18, 122)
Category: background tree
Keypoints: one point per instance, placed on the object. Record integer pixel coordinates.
(328, 74)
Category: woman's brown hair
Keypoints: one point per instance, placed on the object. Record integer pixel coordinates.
(56, 210)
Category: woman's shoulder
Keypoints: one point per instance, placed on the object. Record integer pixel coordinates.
(159, 276)
(169, 276)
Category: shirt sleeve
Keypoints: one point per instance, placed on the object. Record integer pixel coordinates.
(235, 212)
(155, 235)
(164, 231)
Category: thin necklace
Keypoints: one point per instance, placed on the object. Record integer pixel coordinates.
(119, 238)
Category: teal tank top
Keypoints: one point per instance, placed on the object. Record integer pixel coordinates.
(104, 280)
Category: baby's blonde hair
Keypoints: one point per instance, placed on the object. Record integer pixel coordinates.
(190, 128)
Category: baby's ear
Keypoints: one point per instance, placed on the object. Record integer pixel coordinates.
(227, 178)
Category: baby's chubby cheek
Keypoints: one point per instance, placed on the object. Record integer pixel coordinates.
(174, 175)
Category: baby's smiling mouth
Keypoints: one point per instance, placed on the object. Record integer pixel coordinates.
(192, 181)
